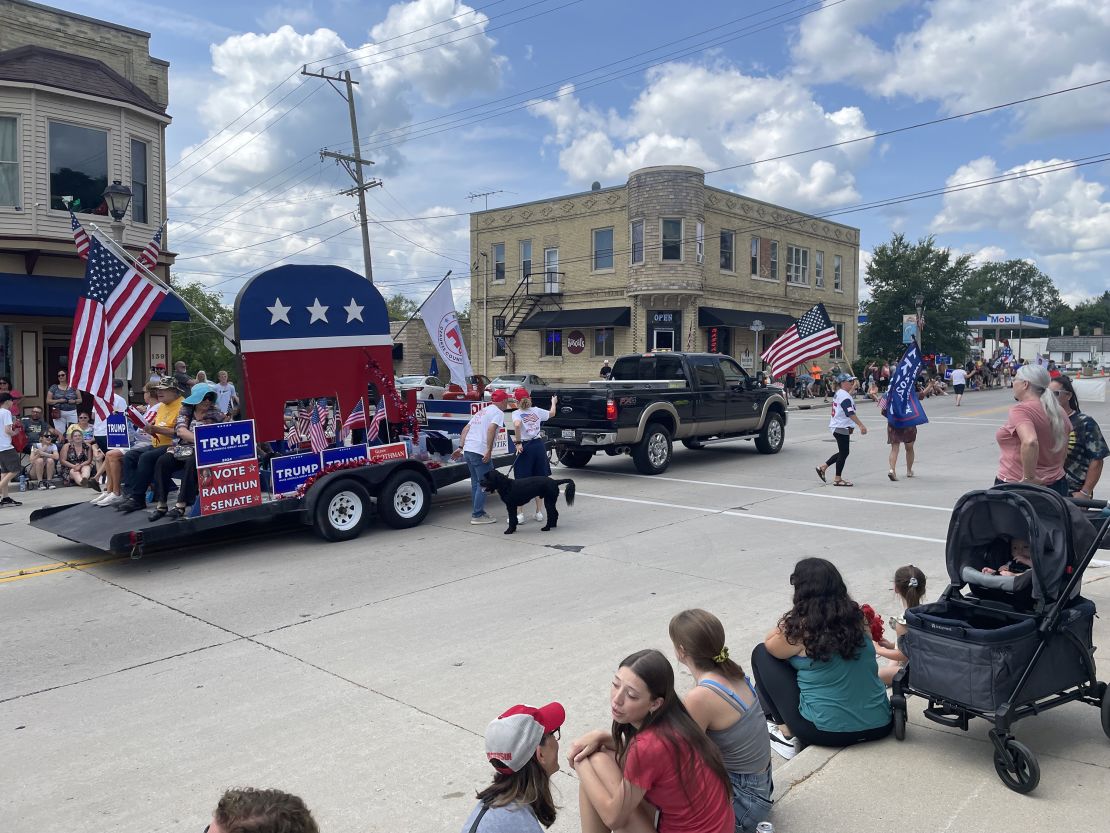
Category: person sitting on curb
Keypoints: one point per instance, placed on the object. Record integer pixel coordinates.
(261, 811)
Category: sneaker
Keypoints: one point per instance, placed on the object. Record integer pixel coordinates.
(51, 485)
(519, 518)
(42, 486)
(483, 519)
(106, 499)
(9, 502)
(783, 745)
(538, 516)
(99, 496)
(129, 505)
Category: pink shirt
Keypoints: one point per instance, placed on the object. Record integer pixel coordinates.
(1050, 464)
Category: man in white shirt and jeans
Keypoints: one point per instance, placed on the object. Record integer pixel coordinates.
(477, 448)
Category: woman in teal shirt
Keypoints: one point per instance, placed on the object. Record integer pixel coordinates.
(816, 672)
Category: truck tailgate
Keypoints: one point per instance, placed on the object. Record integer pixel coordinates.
(578, 407)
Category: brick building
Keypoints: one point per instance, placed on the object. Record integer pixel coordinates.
(82, 104)
(664, 262)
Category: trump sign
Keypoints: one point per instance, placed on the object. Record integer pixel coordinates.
(289, 472)
(225, 442)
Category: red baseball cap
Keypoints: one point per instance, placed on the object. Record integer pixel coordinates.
(161, 365)
(520, 393)
(513, 738)
(498, 396)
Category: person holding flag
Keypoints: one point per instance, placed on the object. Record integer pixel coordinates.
(843, 421)
(902, 409)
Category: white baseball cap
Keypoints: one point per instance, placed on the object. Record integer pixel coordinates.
(513, 738)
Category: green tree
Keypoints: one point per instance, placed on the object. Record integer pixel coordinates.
(194, 342)
(400, 307)
(898, 272)
(1012, 286)
(1094, 312)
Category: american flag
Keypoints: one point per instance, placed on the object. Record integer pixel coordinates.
(377, 422)
(810, 336)
(149, 256)
(101, 408)
(80, 236)
(357, 419)
(139, 418)
(292, 436)
(301, 422)
(115, 306)
(316, 419)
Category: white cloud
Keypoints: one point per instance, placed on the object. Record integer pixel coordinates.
(302, 16)
(968, 54)
(714, 117)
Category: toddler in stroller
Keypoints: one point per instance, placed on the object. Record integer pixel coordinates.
(1017, 642)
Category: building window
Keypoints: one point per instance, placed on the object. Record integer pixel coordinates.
(499, 336)
(603, 341)
(838, 353)
(728, 240)
(699, 238)
(525, 259)
(603, 248)
(637, 242)
(672, 238)
(552, 342)
(819, 269)
(498, 262)
(774, 259)
(797, 265)
(9, 162)
(140, 199)
(78, 167)
(551, 270)
(838, 272)
(755, 256)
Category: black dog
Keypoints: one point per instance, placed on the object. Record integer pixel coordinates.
(517, 493)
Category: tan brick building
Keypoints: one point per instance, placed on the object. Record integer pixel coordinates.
(664, 262)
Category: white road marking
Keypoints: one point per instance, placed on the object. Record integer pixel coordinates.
(752, 516)
(776, 491)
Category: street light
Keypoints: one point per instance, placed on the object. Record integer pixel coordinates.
(118, 198)
(919, 302)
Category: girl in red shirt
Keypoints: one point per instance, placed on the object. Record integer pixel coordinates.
(655, 758)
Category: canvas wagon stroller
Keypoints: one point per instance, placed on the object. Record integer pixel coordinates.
(1009, 646)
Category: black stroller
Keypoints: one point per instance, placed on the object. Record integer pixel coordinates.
(1012, 646)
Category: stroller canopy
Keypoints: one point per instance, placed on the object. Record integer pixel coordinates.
(985, 521)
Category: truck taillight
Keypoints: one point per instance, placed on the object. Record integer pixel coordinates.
(610, 409)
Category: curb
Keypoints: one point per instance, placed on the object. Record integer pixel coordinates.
(800, 768)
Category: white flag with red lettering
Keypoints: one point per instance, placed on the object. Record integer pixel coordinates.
(442, 322)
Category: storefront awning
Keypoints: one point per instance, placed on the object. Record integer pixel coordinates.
(52, 296)
(720, 317)
(563, 319)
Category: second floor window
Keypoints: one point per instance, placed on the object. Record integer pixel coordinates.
(819, 269)
(728, 239)
(499, 261)
(755, 255)
(838, 352)
(525, 259)
(603, 248)
(672, 238)
(773, 272)
(838, 272)
(78, 166)
(797, 265)
(700, 243)
(9, 162)
(139, 182)
(637, 242)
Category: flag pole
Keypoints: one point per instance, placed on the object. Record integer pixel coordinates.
(115, 248)
(417, 311)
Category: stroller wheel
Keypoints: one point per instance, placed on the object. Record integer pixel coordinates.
(1106, 710)
(1018, 767)
(900, 722)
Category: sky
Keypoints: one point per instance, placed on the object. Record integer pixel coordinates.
(531, 99)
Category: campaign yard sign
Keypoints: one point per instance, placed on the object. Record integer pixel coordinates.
(346, 454)
(385, 453)
(225, 442)
(229, 486)
(289, 472)
(116, 427)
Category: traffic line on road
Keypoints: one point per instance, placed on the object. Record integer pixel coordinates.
(776, 491)
(752, 516)
(50, 569)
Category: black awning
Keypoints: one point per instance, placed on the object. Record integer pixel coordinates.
(562, 319)
(720, 317)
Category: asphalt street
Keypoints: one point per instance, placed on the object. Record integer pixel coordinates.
(361, 675)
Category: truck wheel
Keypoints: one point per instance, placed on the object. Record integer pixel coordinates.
(694, 445)
(653, 453)
(770, 439)
(404, 500)
(574, 458)
(342, 510)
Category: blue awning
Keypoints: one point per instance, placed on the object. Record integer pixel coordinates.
(53, 296)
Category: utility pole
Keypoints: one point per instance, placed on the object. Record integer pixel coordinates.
(353, 162)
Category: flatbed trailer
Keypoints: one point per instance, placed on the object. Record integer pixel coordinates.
(338, 506)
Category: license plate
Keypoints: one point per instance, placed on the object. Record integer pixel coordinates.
(568, 433)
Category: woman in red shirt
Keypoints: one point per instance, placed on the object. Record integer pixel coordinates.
(655, 758)
(1034, 441)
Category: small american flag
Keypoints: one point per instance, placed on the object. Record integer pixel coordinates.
(316, 419)
(292, 436)
(80, 236)
(301, 422)
(810, 336)
(377, 422)
(149, 256)
(137, 417)
(357, 419)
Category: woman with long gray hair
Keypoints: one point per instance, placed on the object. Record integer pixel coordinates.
(1034, 441)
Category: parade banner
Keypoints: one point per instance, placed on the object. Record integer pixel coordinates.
(903, 408)
(289, 472)
(225, 442)
(116, 427)
(442, 322)
(346, 454)
(229, 486)
(384, 453)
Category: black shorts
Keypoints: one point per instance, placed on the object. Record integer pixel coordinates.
(958, 389)
(9, 461)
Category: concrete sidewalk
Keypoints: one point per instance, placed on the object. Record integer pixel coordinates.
(942, 779)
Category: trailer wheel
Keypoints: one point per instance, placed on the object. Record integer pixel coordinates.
(404, 500)
(770, 439)
(342, 510)
(574, 458)
(653, 453)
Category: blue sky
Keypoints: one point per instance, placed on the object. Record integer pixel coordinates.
(750, 86)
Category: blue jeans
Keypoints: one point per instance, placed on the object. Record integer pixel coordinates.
(751, 798)
(478, 470)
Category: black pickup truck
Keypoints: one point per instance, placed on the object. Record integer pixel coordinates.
(653, 398)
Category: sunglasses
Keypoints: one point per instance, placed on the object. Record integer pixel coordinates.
(1059, 393)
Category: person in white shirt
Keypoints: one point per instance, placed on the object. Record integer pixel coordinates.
(532, 456)
(959, 379)
(227, 400)
(9, 457)
(843, 419)
(477, 449)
